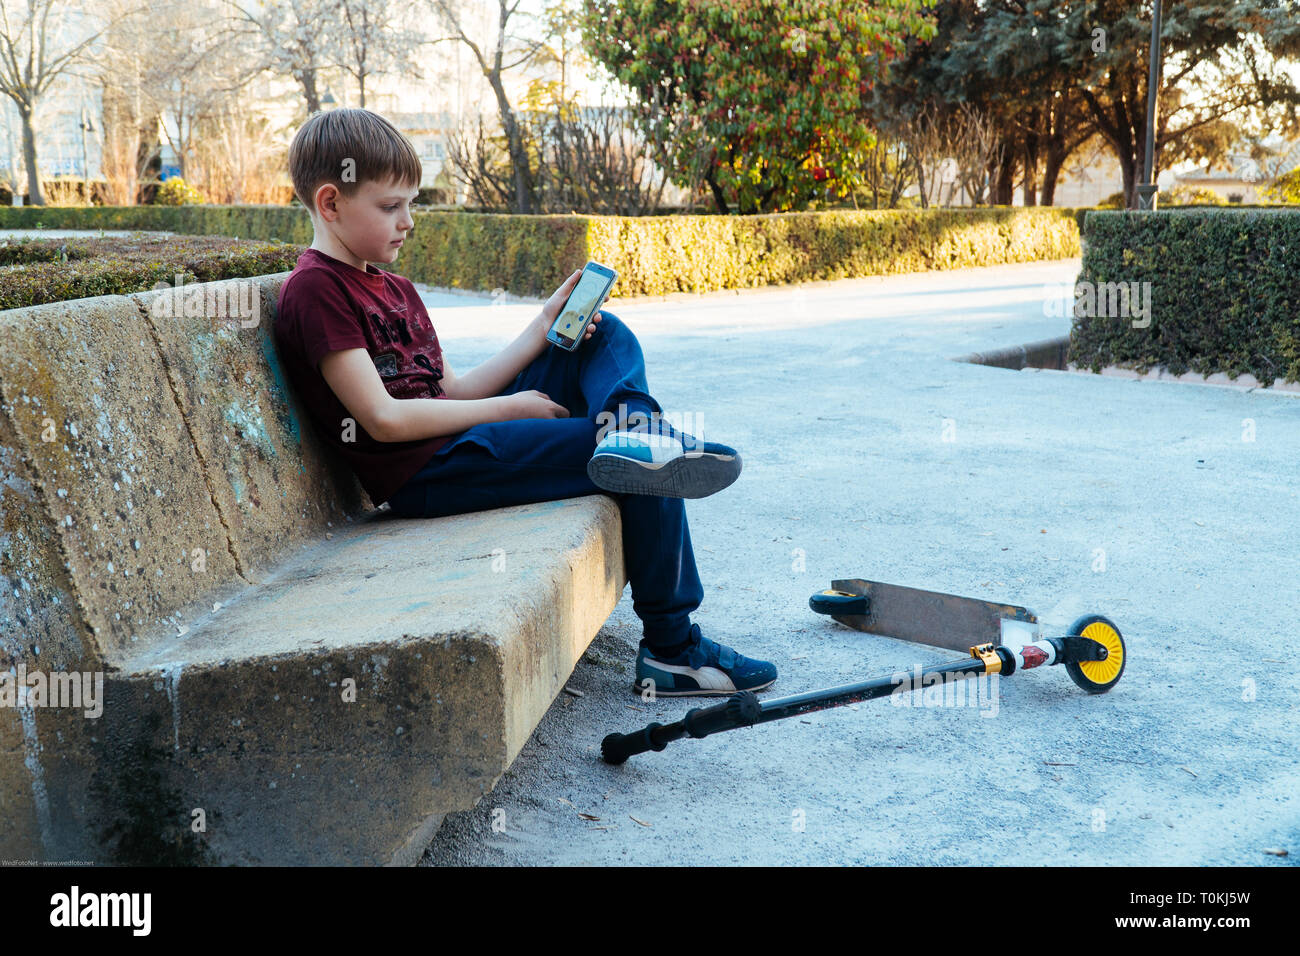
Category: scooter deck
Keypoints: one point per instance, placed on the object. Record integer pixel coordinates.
(928, 617)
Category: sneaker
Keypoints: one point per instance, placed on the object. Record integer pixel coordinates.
(706, 669)
(657, 459)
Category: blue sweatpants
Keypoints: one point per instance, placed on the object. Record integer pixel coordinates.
(498, 464)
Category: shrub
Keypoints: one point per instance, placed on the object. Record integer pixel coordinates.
(177, 192)
(1285, 188)
(1184, 195)
(35, 271)
(1222, 286)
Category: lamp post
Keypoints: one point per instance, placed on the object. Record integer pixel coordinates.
(1147, 189)
(87, 126)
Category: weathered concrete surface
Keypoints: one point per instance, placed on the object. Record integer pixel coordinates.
(269, 477)
(160, 491)
(378, 681)
(164, 452)
(114, 475)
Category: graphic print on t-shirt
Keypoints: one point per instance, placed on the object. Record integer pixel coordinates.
(392, 327)
(382, 333)
(435, 374)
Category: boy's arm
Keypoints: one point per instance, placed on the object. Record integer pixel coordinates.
(492, 376)
(352, 375)
(500, 370)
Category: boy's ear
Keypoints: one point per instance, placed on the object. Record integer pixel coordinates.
(327, 202)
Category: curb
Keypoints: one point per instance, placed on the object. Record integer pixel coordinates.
(1052, 355)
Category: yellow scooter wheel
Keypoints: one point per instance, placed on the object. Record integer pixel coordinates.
(1097, 677)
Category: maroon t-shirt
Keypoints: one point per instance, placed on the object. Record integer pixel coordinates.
(325, 306)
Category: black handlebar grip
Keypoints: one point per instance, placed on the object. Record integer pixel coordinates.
(616, 748)
(739, 710)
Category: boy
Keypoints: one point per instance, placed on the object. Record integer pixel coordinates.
(359, 348)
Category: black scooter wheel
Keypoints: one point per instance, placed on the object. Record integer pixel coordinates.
(1097, 677)
(839, 602)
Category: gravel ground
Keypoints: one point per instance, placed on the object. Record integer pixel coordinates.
(868, 453)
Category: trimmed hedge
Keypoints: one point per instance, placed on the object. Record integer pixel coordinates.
(1224, 292)
(286, 223)
(654, 255)
(35, 271)
(660, 254)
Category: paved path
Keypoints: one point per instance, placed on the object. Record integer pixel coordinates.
(1063, 492)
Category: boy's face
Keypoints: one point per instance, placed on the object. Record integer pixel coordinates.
(373, 222)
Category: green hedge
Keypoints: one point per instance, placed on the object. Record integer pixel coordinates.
(286, 223)
(35, 271)
(661, 254)
(1224, 288)
(529, 255)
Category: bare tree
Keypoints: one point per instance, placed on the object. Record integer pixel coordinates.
(198, 67)
(295, 39)
(668, 127)
(973, 143)
(479, 161)
(587, 160)
(591, 160)
(491, 63)
(956, 146)
(374, 40)
(31, 60)
(239, 156)
(128, 117)
(888, 171)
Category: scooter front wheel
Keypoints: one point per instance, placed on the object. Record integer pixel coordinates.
(1097, 677)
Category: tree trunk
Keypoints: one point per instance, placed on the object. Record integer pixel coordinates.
(1128, 167)
(1051, 172)
(514, 143)
(1031, 170)
(719, 199)
(308, 80)
(35, 197)
(1004, 190)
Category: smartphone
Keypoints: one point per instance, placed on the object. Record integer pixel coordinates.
(567, 330)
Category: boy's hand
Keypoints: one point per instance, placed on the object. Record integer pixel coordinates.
(534, 404)
(551, 310)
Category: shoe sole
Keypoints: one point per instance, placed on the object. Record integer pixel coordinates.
(701, 693)
(683, 477)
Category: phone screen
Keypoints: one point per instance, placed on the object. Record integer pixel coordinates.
(582, 301)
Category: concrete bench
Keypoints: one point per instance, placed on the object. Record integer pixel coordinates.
(289, 675)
